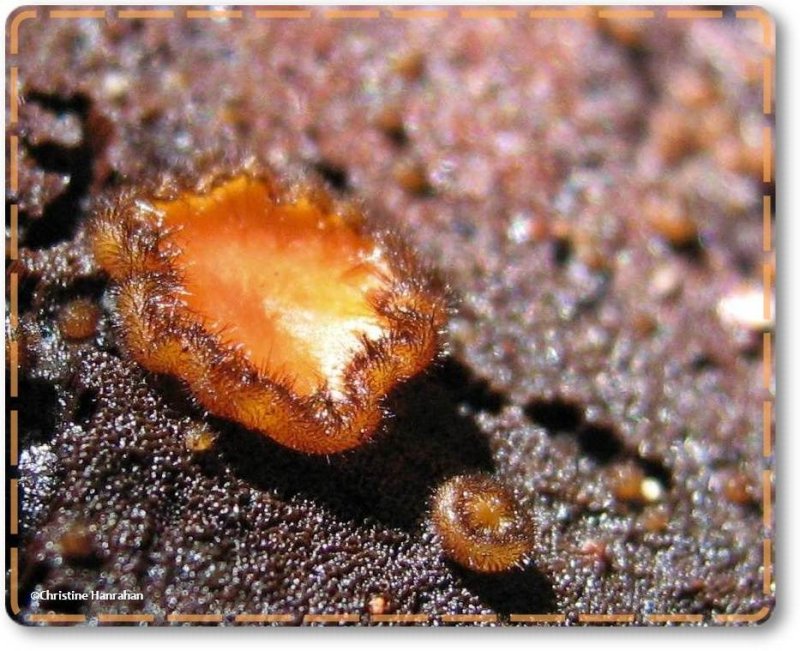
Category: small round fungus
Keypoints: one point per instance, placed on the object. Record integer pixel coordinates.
(480, 524)
(280, 308)
(78, 319)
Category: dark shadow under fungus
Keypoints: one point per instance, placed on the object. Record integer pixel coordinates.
(520, 590)
(389, 479)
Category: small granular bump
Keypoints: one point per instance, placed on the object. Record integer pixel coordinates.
(378, 605)
(666, 282)
(77, 543)
(78, 319)
(655, 519)
(626, 483)
(199, 439)
(595, 553)
(410, 66)
(743, 307)
(412, 176)
(670, 219)
(673, 140)
(737, 488)
(644, 324)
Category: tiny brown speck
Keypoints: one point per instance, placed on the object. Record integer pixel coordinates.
(78, 319)
(378, 605)
(737, 488)
(76, 543)
(411, 175)
(626, 483)
(199, 439)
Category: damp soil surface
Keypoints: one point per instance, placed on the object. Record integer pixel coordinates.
(591, 192)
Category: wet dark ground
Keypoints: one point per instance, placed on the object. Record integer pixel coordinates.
(590, 193)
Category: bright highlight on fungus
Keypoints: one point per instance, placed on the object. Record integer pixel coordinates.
(281, 309)
(480, 524)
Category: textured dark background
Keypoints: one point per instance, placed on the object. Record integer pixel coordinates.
(590, 191)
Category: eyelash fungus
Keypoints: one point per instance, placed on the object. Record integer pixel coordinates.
(279, 307)
(480, 524)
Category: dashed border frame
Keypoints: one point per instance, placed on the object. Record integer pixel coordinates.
(15, 23)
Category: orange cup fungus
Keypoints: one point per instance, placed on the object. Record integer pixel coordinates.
(280, 308)
(480, 524)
